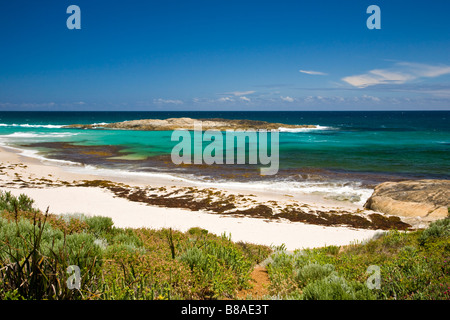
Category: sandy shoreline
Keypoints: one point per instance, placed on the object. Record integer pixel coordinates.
(50, 186)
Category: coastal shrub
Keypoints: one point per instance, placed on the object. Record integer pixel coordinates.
(34, 258)
(421, 270)
(255, 253)
(68, 225)
(99, 225)
(312, 272)
(196, 231)
(127, 237)
(78, 223)
(123, 242)
(11, 203)
(214, 274)
(115, 263)
(393, 240)
(17, 238)
(407, 275)
(281, 260)
(220, 263)
(332, 250)
(72, 216)
(80, 249)
(131, 275)
(102, 243)
(280, 267)
(413, 265)
(334, 287)
(119, 248)
(228, 256)
(437, 229)
(231, 256)
(193, 257)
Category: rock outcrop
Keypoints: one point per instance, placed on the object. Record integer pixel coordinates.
(418, 198)
(188, 123)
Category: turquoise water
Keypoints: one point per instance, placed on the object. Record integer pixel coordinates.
(357, 148)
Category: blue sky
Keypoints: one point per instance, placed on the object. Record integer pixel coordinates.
(224, 55)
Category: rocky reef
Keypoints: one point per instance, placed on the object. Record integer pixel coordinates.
(188, 123)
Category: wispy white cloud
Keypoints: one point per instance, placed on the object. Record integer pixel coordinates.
(240, 93)
(287, 99)
(400, 73)
(225, 99)
(243, 98)
(371, 98)
(442, 93)
(167, 101)
(314, 73)
(340, 100)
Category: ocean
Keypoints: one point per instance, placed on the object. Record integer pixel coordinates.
(343, 158)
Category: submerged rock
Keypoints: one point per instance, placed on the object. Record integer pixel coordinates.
(188, 123)
(418, 198)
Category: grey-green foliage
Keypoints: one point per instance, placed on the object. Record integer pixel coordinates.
(81, 249)
(17, 240)
(437, 229)
(316, 281)
(123, 240)
(34, 258)
(193, 257)
(209, 254)
(73, 216)
(99, 225)
(11, 203)
(280, 260)
(125, 245)
(128, 238)
(334, 287)
(312, 272)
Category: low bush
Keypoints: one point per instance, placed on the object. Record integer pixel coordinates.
(412, 265)
(11, 203)
(437, 229)
(36, 250)
(334, 287)
(312, 272)
(99, 225)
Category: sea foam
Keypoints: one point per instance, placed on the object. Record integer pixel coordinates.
(295, 130)
(26, 125)
(40, 135)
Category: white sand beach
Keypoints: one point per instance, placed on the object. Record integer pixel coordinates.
(125, 213)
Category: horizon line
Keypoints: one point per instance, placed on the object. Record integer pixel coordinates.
(371, 110)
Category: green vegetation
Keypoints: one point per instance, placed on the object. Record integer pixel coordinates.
(37, 248)
(413, 265)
